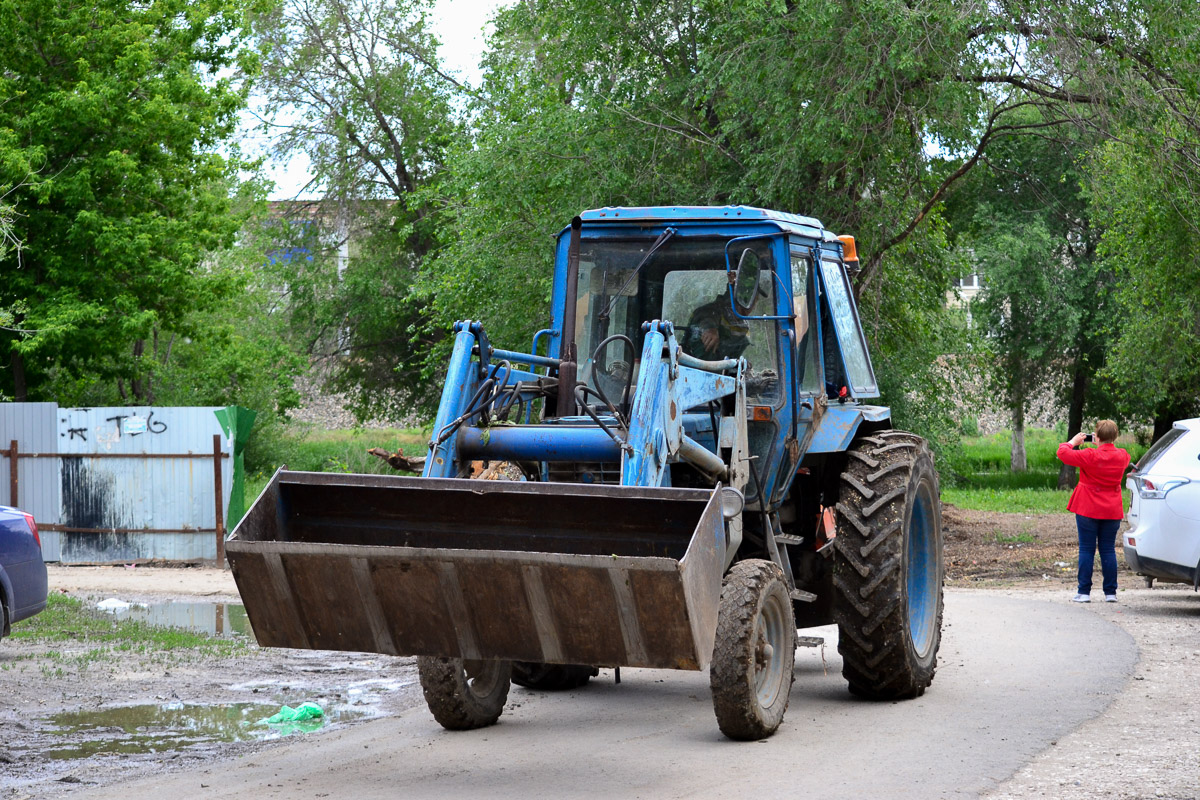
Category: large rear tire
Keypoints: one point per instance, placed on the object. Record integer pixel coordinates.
(551, 677)
(888, 567)
(464, 695)
(755, 652)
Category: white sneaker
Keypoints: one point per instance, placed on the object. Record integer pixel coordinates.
(1110, 598)
(1084, 598)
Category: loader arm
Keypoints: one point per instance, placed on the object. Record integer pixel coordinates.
(669, 383)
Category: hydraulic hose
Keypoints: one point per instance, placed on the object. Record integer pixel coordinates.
(581, 392)
(599, 392)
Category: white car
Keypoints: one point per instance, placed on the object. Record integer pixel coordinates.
(1163, 539)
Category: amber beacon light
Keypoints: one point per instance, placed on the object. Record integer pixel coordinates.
(849, 252)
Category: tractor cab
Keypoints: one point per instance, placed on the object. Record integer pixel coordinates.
(735, 283)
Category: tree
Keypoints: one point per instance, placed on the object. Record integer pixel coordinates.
(357, 87)
(239, 351)
(1151, 214)
(1019, 310)
(1144, 194)
(788, 106)
(112, 115)
(232, 349)
(1046, 302)
(864, 114)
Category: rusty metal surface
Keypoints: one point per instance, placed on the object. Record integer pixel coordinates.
(66, 529)
(554, 573)
(114, 485)
(109, 487)
(38, 486)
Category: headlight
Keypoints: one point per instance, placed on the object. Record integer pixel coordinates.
(1158, 486)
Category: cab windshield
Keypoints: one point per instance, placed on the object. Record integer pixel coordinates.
(684, 282)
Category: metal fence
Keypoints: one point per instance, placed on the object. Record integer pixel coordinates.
(123, 484)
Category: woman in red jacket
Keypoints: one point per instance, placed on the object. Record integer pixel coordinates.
(1096, 502)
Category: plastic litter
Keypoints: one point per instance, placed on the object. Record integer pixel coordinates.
(300, 713)
(304, 718)
(113, 604)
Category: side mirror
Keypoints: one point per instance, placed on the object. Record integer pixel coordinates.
(745, 282)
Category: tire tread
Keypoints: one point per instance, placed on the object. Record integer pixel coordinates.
(734, 699)
(450, 700)
(869, 576)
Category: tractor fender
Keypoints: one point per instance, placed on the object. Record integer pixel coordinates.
(836, 428)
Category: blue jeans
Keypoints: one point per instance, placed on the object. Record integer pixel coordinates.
(1095, 533)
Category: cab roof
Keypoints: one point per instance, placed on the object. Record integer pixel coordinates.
(793, 223)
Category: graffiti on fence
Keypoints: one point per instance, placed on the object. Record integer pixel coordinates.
(109, 432)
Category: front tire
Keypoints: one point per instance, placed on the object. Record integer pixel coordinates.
(755, 652)
(888, 567)
(464, 695)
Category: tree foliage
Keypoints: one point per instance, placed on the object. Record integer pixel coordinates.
(112, 115)
(915, 126)
(662, 103)
(865, 113)
(1046, 303)
(825, 108)
(1152, 241)
(356, 86)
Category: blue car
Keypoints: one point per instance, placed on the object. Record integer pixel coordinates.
(22, 570)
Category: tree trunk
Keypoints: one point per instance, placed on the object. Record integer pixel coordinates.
(1177, 405)
(1068, 476)
(20, 390)
(1019, 463)
(1164, 420)
(139, 387)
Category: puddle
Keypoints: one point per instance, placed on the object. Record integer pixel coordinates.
(215, 619)
(131, 730)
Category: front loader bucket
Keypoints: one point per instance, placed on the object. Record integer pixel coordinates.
(542, 572)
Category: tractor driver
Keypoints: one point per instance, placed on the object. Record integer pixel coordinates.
(714, 332)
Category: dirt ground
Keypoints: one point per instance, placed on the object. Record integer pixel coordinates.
(44, 755)
(998, 549)
(1144, 746)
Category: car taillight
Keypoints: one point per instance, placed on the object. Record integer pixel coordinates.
(1158, 486)
(33, 528)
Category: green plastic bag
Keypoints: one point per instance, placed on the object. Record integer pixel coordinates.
(301, 713)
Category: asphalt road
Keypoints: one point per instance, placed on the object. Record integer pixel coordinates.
(1015, 674)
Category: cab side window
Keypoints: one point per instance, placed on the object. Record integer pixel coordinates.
(803, 302)
(855, 371)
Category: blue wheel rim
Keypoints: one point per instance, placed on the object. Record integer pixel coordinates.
(769, 632)
(922, 572)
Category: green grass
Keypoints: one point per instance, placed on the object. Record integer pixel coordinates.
(1025, 501)
(1029, 501)
(993, 454)
(67, 620)
(1025, 537)
(337, 451)
(981, 478)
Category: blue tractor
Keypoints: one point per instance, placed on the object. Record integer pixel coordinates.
(690, 473)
